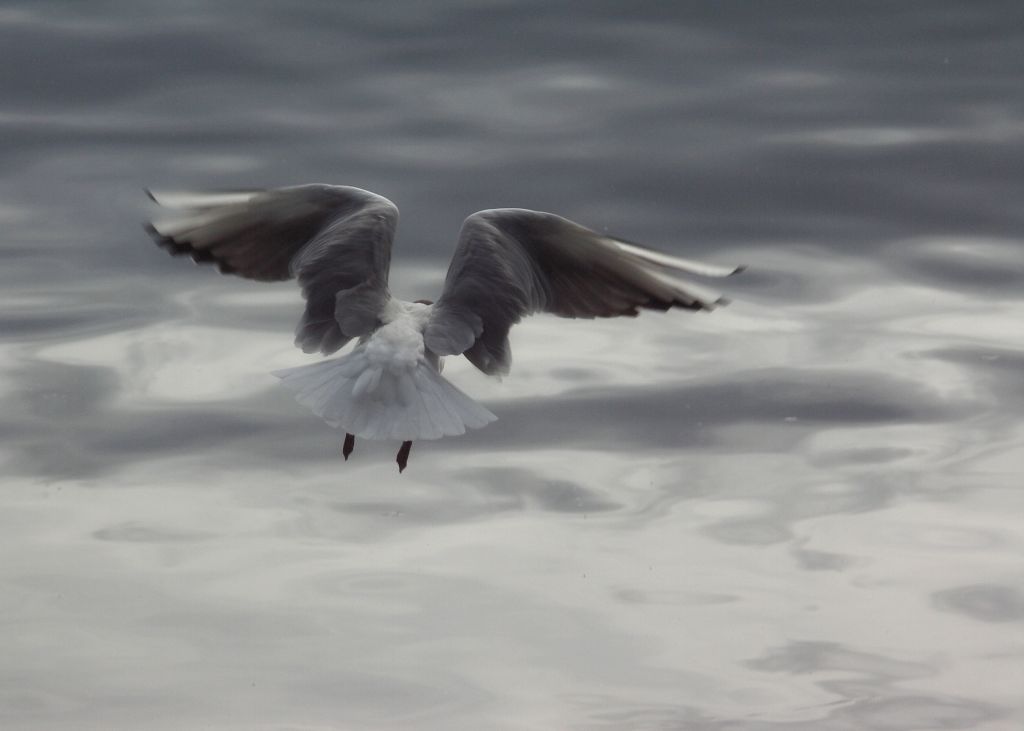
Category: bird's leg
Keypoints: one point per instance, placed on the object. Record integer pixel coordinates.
(348, 446)
(403, 455)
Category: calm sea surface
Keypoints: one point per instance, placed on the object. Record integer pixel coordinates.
(803, 511)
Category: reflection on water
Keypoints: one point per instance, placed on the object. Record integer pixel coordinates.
(799, 512)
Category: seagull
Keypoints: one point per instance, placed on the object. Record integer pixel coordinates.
(336, 241)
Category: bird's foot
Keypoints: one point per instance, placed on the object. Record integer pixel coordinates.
(403, 456)
(348, 446)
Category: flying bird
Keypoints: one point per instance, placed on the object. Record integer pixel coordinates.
(336, 241)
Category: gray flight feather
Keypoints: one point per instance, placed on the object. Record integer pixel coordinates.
(511, 262)
(336, 240)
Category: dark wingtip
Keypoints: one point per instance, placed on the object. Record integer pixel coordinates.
(164, 242)
(149, 194)
(180, 248)
(738, 270)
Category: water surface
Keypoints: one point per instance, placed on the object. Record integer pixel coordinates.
(802, 511)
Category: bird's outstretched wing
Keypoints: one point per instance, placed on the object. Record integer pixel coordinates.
(512, 262)
(336, 240)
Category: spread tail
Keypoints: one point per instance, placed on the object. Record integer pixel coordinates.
(375, 402)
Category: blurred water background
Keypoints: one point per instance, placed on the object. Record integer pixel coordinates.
(802, 511)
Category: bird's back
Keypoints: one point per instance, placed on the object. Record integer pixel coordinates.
(389, 386)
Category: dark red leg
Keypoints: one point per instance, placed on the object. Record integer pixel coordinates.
(403, 456)
(348, 446)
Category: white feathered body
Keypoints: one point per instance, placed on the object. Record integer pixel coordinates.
(389, 386)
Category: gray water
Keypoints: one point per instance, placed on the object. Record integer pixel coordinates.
(802, 511)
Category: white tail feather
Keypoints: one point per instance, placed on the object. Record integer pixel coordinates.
(375, 402)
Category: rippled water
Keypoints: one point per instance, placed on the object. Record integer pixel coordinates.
(800, 512)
